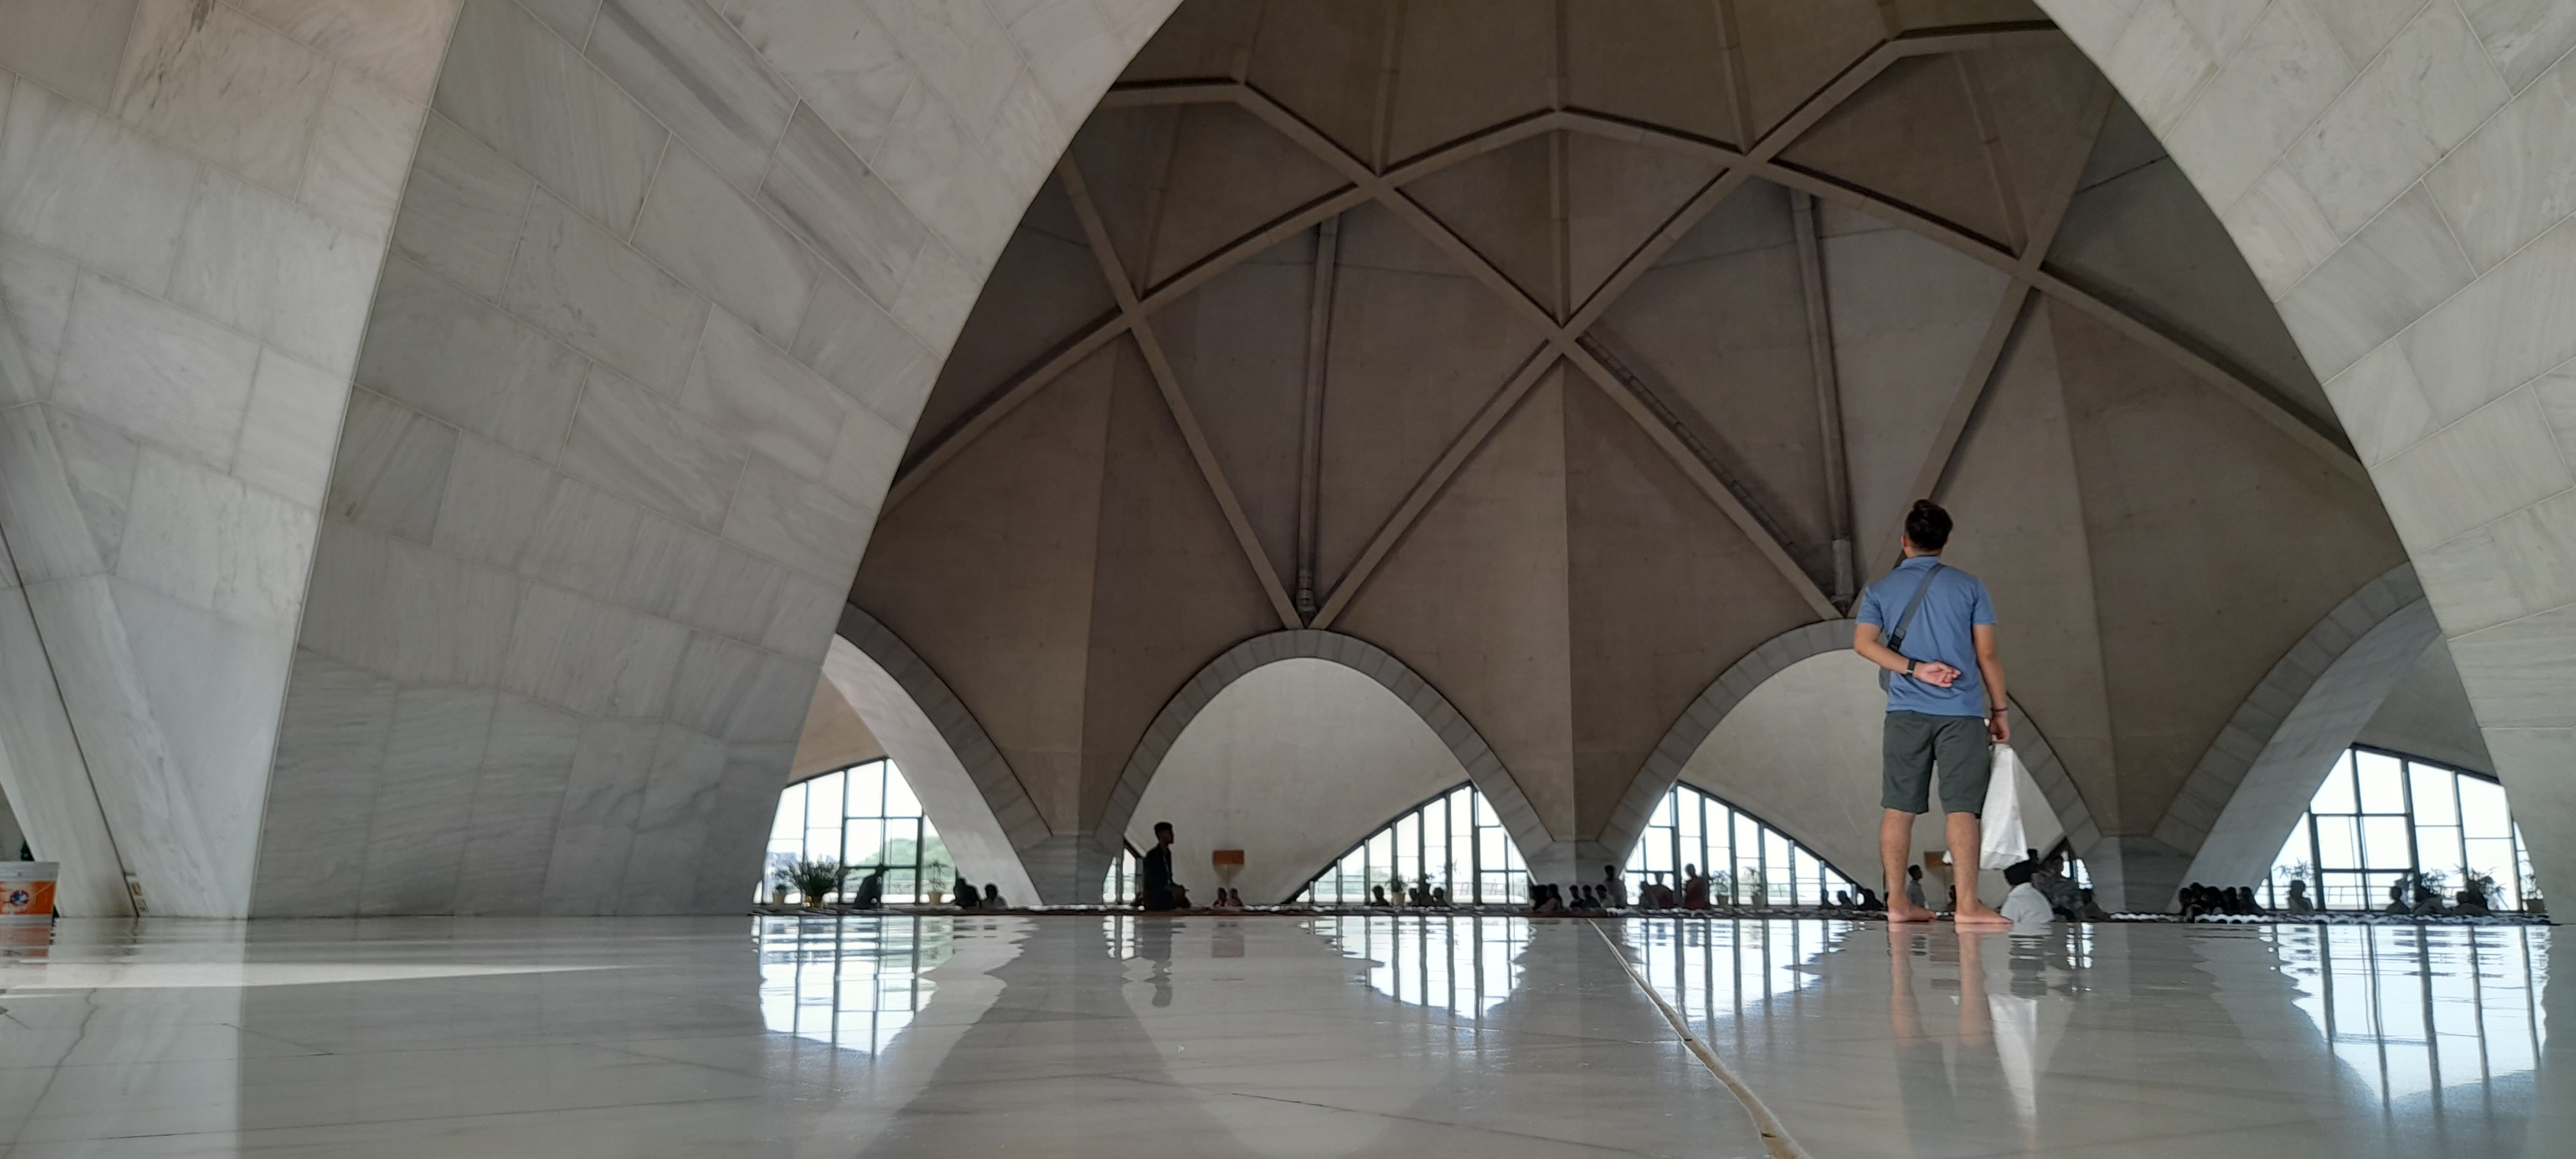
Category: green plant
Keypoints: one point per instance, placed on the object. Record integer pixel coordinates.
(816, 879)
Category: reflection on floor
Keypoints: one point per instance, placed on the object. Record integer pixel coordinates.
(1275, 1037)
(933, 1036)
(2117, 1040)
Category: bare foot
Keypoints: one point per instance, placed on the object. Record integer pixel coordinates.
(1977, 914)
(1901, 910)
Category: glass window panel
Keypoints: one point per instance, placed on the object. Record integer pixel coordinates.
(828, 793)
(2434, 802)
(899, 801)
(2438, 850)
(2336, 795)
(2383, 843)
(2383, 782)
(2338, 842)
(2295, 852)
(2482, 809)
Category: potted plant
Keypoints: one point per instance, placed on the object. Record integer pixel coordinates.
(817, 879)
(779, 884)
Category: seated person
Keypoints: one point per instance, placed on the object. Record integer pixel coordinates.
(2299, 903)
(965, 893)
(1440, 897)
(2025, 905)
(1842, 900)
(1377, 897)
(992, 897)
(1694, 888)
(1870, 901)
(1583, 899)
(1161, 893)
(2093, 912)
(2473, 900)
(2060, 890)
(870, 892)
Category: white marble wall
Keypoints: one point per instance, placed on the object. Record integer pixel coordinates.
(669, 281)
(194, 200)
(2400, 176)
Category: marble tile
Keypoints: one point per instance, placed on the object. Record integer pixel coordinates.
(48, 533)
(695, 73)
(35, 305)
(2514, 669)
(156, 371)
(424, 797)
(2363, 27)
(662, 866)
(938, 292)
(392, 468)
(266, 266)
(852, 341)
(432, 346)
(1027, 138)
(462, 209)
(960, 47)
(2222, 25)
(81, 185)
(214, 686)
(939, 168)
(2496, 460)
(2516, 176)
(161, 839)
(2421, 97)
(702, 231)
(847, 69)
(224, 87)
(42, 773)
(290, 429)
(2497, 333)
(1072, 51)
(401, 610)
(801, 624)
(2535, 551)
(330, 750)
(571, 19)
(533, 98)
(596, 826)
(517, 794)
(716, 679)
(2522, 36)
(2290, 69)
(2160, 62)
(582, 539)
(584, 286)
(2399, 266)
(823, 191)
(737, 596)
(362, 145)
(70, 46)
(739, 821)
(396, 44)
(634, 444)
(494, 501)
(2381, 404)
(864, 461)
(99, 463)
(667, 566)
(762, 399)
(210, 542)
(799, 523)
(592, 658)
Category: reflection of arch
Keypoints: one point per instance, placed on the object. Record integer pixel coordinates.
(2256, 779)
(1777, 655)
(1484, 769)
(966, 788)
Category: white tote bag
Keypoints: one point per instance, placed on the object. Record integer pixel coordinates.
(2003, 845)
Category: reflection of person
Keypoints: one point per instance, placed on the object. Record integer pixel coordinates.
(1945, 702)
(1161, 892)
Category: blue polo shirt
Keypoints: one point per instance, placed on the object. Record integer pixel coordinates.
(1940, 631)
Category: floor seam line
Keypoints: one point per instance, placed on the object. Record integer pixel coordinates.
(1775, 1134)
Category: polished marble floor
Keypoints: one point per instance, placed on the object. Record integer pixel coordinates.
(1274, 1036)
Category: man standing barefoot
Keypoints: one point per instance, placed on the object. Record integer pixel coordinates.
(1933, 629)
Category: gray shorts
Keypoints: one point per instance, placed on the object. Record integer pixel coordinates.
(1916, 742)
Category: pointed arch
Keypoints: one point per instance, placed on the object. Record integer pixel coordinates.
(1484, 769)
(1663, 768)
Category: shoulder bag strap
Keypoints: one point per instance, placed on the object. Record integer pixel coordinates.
(1896, 635)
